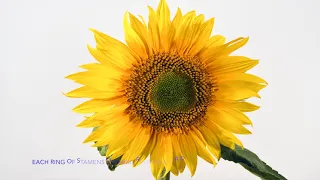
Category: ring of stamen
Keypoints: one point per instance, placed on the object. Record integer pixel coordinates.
(168, 92)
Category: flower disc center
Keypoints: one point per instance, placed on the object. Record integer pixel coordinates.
(169, 92)
(173, 92)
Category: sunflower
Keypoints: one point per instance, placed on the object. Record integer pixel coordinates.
(172, 91)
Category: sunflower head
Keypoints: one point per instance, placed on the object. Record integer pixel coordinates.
(172, 92)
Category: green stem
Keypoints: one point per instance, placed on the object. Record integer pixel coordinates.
(167, 177)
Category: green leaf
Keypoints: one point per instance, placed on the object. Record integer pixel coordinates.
(112, 164)
(251, 162)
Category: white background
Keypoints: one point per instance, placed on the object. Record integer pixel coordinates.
(42, 41)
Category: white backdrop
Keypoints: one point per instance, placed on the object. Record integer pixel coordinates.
(42, 41)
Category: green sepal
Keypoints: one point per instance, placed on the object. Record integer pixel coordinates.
(112, 164)
(251, 162)
(102, 150)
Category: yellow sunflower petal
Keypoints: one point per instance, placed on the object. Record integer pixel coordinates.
(89, 122)
(234, 46)
(149, 148)
(105, 133)
(226, 121)
(94, 81)
(213, 42)
(228, 93)
(163, 14)
(211, 53)
(182, 38)
(228, 139)
(178, 159)
(88, 92)
(189, 152)
(235, 113)
(132, 39)
(156, 158)
(99, 105)
(202, 147)
(240, 77)
(239, 115)
(102, 132)
(118, 154)
(243, 85)
(241, 106)
(168, 44)
(204, 35)
(92, 66)
(154, 31)
(137, 145)
(110, 44)
(174, 169)
(232, 64)
(101, 73)
(168, 153)
(225, 137)
(108, 59)
(142, 32)
(193, 37)
(211, 139)
(123, 137)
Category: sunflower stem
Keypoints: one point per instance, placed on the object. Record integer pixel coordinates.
(166, 177)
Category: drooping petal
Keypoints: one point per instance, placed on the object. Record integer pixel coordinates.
(105, 132)
(137, 145)
(168, 153)
(211, 139)
(122, 137)
(178, 158)
(202, 146)
(156, 156)
(174, 169)
(188, 150)
(224, 137)
(149, 148)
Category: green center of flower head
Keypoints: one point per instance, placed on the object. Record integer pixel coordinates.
(173, 92)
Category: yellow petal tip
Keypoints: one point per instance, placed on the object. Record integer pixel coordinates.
(92, 30)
